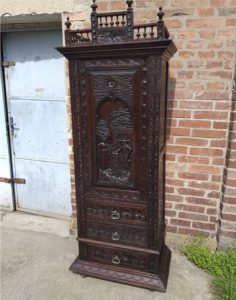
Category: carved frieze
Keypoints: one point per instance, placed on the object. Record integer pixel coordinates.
(112, 35)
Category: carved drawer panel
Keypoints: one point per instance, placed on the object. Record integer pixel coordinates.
(117, 233)
(123, 258)
(117, 212)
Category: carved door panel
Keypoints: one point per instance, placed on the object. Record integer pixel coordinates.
(111, 104)
(112, 107)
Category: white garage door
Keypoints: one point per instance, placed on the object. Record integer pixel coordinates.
(36, 100)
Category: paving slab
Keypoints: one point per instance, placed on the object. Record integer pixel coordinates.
(37, 251)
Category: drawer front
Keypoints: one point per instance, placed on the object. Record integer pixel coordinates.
(117, 212)
(123, 258)
(117, 233)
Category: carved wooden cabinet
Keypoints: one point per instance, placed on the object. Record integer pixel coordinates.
(118, 83)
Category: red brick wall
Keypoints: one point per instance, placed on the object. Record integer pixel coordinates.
(199, 103)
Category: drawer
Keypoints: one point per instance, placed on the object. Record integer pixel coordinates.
(118, 212)
(118, 233)
(123, 258)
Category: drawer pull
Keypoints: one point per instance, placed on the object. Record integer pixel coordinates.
(115, 215)
(115, 236)
(115, 260)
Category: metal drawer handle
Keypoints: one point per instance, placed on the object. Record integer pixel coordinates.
(115, 215)
(115, 260)
(115, 236)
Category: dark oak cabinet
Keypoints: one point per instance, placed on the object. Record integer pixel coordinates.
(118, 84)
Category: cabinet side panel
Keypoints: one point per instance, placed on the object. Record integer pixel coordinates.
(77, 141)
(162, 150)
(156, 149)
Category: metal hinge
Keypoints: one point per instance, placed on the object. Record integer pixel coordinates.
(12, 180)
(7, 64)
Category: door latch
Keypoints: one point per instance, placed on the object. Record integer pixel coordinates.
(12, 126)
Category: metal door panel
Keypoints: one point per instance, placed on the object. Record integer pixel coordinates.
(49, 187)
(41, 132)
(36, 93)
(39, 69)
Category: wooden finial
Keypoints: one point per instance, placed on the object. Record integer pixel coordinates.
(160, 14)
(129, 3)
(94, 6)
(68, 23)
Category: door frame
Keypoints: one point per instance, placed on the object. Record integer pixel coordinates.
(8, 130)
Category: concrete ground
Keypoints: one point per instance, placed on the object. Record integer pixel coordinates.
(37, 251)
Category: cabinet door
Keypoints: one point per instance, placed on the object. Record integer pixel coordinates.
(110, 130)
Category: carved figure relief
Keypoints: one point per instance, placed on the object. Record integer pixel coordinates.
(114, 141)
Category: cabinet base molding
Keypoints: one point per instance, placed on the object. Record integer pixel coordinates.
(157, 282)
